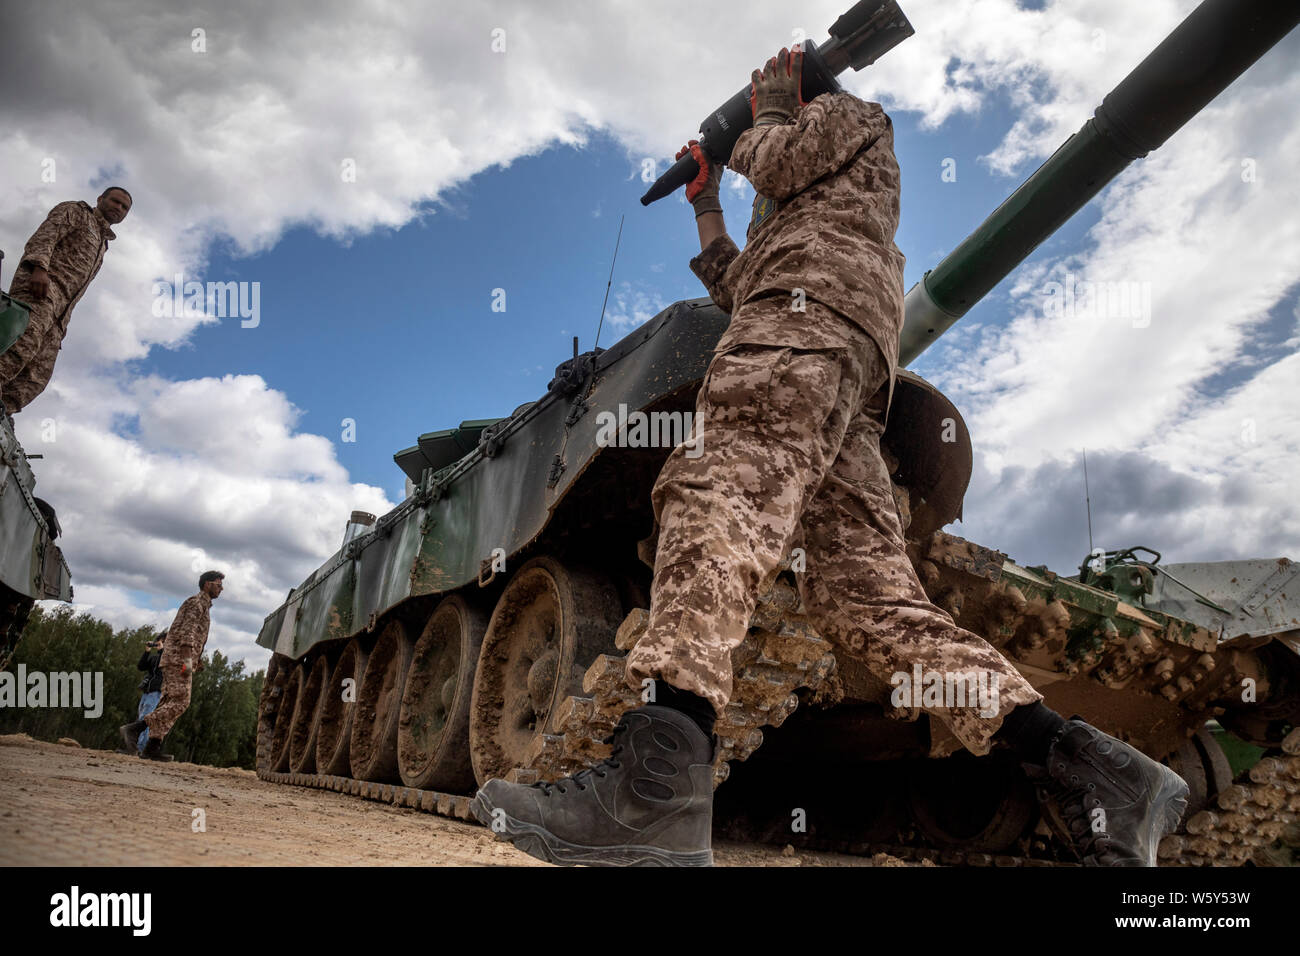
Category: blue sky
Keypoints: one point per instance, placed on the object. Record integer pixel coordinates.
(172, 444)
(395, 329)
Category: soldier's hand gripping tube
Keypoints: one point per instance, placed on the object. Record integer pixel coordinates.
(702, 191)
(774, 92)
(722, 127)
(867, 31)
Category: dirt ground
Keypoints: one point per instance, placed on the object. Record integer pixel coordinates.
(64, 806)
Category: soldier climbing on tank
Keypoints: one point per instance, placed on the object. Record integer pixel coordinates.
(182, 658)
(59, 261)
(791, 412)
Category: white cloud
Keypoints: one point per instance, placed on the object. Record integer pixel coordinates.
(632, 304)
(169, 479)
(1220, 255)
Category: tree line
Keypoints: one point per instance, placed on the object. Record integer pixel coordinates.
(219, 728)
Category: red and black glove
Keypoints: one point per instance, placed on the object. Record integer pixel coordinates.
(702, 191)
(776, 94)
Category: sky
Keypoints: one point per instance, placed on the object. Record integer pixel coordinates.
(380, 174)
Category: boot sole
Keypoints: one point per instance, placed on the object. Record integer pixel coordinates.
(540, 843)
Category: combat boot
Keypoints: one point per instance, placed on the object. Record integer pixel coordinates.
(131, 735)
(153, 750)
(650, 803)
(1109, 801)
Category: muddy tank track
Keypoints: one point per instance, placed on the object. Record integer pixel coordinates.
(454, 806)
(1031, 614)
(781, 654)
(1256, 819)
(783, 662)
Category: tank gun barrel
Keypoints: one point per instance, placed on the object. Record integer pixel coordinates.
(1204, 54)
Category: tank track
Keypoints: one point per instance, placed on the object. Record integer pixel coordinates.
(454, 806)
(451, 805)
(784, 660)
(1256, 820)
(1258, 815)
(780, 655)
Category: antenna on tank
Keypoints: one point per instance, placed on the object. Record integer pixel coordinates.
(1087, 498)
(611, 280)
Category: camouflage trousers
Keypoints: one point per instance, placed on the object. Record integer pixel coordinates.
(27, 365)
(175, 699)
(787, 443)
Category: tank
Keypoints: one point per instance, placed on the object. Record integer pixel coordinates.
(479, 628)
(31, 565)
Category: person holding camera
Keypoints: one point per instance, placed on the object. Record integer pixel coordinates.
(151, 686)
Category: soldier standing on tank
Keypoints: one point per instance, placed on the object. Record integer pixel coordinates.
(59, 261)
(792, 409)
(182, 658)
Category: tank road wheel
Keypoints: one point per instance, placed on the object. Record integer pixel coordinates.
(306, 717)
(279, 756)
(1218, 771)
(268, 707)
(1252, 820)
(334, 731)
(379, 703)
(433, 729)
(1201, 762)
(549, 625)
(980, 803)
(1186, 762)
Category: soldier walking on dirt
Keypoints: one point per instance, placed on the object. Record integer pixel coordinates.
(59, 261)
(182, 657)
(791, 412)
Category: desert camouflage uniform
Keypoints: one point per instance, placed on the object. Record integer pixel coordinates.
(70, 246)
(186, 639)
(789, 419)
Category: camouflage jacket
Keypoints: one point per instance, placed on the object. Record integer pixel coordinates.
(825, 215)
(188, 635)
(70, 246)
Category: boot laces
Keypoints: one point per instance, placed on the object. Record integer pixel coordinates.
(1076, 801)
(582, 779)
